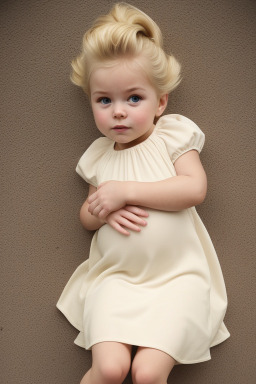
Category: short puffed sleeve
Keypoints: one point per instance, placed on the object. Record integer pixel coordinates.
(87, 166)
(180, 135)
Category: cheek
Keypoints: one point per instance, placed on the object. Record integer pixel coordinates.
(145, 116)
(99, 117)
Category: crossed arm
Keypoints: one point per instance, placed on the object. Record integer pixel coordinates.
(119, 203)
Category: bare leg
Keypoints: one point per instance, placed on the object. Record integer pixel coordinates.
(151, 366)
(110, 363)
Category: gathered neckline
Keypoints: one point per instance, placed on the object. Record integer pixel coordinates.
(136, 145)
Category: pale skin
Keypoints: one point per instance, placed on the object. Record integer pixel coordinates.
(123, 204)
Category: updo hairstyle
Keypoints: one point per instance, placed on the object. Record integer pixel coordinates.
(126, 32)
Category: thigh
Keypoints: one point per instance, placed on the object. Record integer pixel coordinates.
(151, 365)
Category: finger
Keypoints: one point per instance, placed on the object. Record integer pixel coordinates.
(119, 229)
(94, 209)
(133, 218)
(102, 213)
(136, 210)
(92, 197)
(91, 207)
(129, 224)
(120, 223)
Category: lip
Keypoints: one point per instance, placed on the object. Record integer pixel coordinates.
(120, 128)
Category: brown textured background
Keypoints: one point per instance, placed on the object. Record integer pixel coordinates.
(46, 125)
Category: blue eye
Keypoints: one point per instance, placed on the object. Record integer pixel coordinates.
(105, 100)
(135, 99)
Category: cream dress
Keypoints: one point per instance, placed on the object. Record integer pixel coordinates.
(163, 287)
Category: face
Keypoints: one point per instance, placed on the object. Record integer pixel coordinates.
(124, 103)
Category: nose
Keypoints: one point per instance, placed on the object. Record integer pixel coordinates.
(119, 111)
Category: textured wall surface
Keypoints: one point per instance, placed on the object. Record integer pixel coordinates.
(46, 124)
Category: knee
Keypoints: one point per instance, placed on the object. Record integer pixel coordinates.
(112, 373)
(145, 375)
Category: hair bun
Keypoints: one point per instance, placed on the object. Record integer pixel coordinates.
(126, 32)
(125, 14)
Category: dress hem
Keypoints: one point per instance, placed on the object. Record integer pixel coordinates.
(158, 347)
(69, 318)
(88, 346)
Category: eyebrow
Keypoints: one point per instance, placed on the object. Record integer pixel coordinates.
(129, 90)
(99, 92)
(137, 89)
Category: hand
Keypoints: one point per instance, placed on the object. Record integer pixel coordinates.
(109, 197)
(129, 217)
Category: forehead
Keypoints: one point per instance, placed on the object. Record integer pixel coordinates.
(120, 73)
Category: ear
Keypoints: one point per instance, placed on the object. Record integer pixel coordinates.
(163, 100)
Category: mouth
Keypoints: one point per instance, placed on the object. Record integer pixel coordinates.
(120, 128)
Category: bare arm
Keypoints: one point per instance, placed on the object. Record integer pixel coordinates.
(185, 190)
(129, 217)
(88, 220)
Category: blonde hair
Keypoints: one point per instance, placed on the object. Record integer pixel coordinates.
(126, 32)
